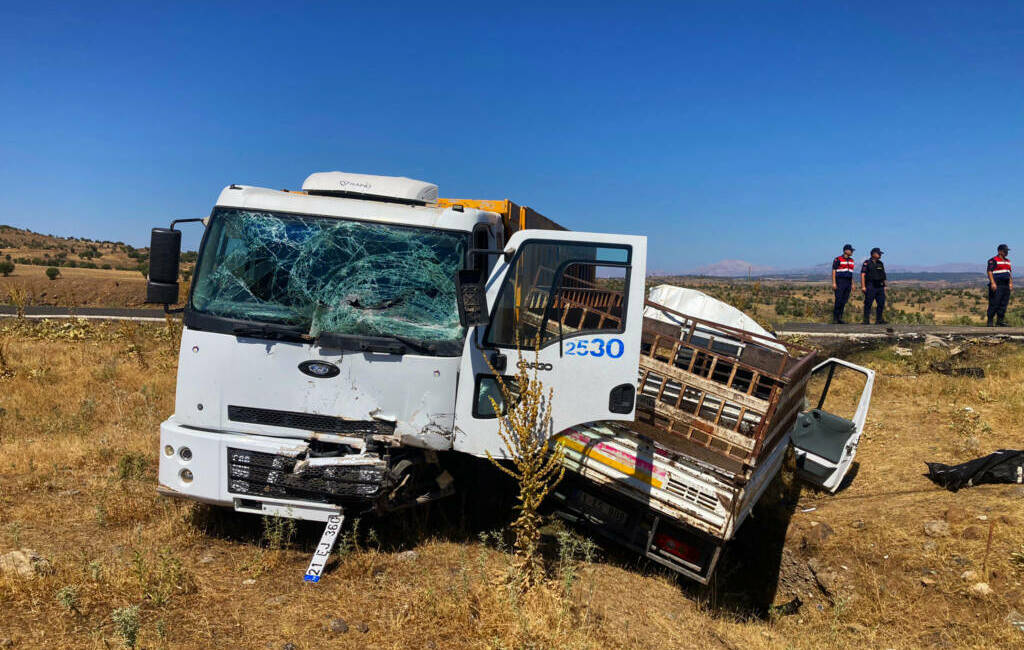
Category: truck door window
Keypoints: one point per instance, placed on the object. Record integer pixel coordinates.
(488, 389)
(590, 297)
(836, 390)
(560, 289)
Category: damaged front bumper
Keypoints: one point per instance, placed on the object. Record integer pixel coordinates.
(266, 475)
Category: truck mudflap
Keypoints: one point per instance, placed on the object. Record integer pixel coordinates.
(616, 518)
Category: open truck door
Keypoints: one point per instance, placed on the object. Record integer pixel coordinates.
(825, 442)
(582, 295)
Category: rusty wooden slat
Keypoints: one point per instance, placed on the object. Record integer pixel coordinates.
(732, 375)
(714, 364)
(701, 383)
(661, 388)
(693, 359)
(753, 382)
(682, 392)
(700, 403)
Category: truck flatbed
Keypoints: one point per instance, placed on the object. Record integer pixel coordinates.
(716, 409)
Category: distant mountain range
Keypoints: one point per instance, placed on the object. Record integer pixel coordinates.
(732, 269)
(741, 268)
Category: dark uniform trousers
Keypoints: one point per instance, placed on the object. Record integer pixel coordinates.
(874, 295)
(842, 292)
(998, 299)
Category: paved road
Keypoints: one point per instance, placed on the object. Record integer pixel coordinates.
(825, 330)
(99, 313)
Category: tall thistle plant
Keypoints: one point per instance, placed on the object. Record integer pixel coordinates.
(524, 425)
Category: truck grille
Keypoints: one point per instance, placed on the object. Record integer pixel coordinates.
(269, 475)
(308, 421)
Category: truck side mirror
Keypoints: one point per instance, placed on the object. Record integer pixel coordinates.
(164, 258)
(472, 298)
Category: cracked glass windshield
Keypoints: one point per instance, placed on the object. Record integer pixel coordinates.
(325, 274)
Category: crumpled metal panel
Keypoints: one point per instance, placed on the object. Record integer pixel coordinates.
(332, 275)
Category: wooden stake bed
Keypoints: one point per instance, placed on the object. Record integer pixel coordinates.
(700, 383)
(727, 390)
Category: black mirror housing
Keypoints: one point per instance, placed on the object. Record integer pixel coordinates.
(161, 293)
(164, 255)
(164, 260)
(472, 298)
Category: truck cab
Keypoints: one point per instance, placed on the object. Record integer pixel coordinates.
(324, 358)
(321, 344)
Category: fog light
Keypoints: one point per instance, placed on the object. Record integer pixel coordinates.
(169, 450)
(185, 453)
(186, 476)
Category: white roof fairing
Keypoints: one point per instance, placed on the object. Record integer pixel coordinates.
(393, 187)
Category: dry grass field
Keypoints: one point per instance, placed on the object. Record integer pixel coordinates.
(76, 287)
(80, 405)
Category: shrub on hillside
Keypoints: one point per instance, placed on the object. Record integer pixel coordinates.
(53, 272)
(6, 268)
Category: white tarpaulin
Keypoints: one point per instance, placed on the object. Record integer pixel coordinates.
(702, 306)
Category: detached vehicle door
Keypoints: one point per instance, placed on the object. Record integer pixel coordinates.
(581, 295)
(825, 441)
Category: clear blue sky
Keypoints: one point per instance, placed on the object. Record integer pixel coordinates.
(767, 131)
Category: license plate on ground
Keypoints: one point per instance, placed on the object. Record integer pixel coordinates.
(323, 549)
(592, 505)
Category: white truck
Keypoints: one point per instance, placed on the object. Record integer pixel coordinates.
(337, 338)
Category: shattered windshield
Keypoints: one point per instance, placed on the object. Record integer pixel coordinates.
(324, 274)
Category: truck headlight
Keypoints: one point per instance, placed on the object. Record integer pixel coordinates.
(186, 476)
(185, 454)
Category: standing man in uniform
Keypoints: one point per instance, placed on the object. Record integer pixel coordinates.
(842, 282)
(1000, 286)
(872, 283)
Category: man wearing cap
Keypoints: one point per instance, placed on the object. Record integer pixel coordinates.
(1000, 286)
(842, 282)
(872, 283)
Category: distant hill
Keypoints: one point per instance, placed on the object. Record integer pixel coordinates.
(732, 269)
(23, 246)
(741, 269)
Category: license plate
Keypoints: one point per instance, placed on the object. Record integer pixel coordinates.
(605, 511)
(323, 549)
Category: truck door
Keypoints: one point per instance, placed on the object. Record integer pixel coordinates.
(582, 295)
(825, 441)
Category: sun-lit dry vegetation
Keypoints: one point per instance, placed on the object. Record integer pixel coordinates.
(80, 405)
(87, 272)
(533, 461)
(73, 288)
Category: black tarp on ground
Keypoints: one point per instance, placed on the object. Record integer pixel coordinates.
(1004, 466)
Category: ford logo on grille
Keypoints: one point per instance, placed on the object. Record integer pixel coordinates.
(319, 369)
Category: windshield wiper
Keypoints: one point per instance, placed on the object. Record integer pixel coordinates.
(272, 332)
(390, 344)
(417, 344)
